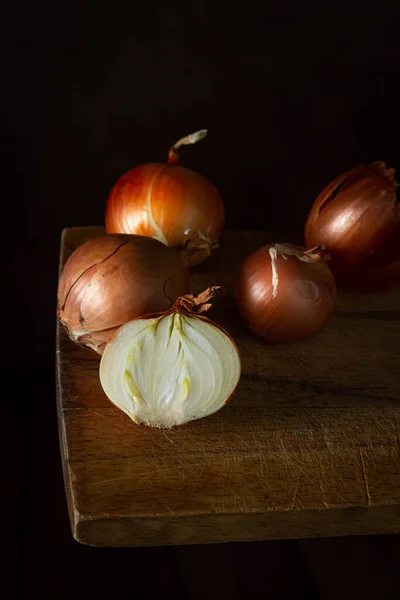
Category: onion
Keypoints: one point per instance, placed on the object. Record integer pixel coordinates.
(166, 202)
(165, 370)
(357, 217)
(285, 293)
(112, 279)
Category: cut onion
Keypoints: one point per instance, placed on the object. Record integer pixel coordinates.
(169, 369)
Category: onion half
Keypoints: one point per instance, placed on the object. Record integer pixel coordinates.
(168, 369)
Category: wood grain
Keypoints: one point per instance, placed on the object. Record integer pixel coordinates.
(309, 445)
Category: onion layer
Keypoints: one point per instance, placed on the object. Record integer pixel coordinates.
(168, 369)
(285, 293)
(166, 201)
(112, 279)
(357, 217)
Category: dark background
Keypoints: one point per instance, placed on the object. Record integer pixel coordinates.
(293, 94)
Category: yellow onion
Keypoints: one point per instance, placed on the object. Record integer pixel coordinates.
(167, 369)
(285, 293)
(357, 217)
(166, 202)
(112, 279)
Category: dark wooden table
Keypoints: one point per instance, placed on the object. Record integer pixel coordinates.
(309, 445)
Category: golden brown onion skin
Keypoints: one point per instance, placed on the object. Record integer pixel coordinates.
(357, 217)
(163, 201)
(306, 296)
(112, 279)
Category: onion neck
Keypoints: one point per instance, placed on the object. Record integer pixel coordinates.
(196, 248)
(193, 138)
(314, 255)
(195, 304)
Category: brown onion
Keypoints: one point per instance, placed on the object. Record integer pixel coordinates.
(166, 201)
(285, 293)
(112, 279)
(357, 217)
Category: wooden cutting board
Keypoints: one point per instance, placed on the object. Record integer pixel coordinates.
(309, 445)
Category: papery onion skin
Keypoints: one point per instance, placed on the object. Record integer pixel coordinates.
(165, 201)
(357, 217)
(305, 298)
(113, 279)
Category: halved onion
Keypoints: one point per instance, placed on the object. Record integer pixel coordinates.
(172, 368)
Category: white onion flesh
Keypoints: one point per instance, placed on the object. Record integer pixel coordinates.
(169, 370)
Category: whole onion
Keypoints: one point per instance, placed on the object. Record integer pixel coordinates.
(357, 217)
(112, 279)
(166, 202)
(285, 293)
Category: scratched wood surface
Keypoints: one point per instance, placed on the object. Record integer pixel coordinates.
(309, 445)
